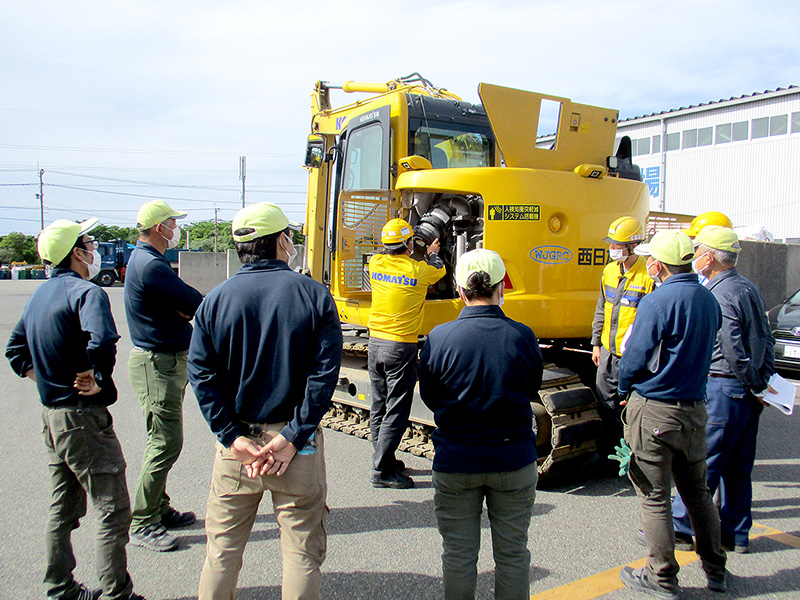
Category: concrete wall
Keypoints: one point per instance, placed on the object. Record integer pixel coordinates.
(202, 270)
(206, 270)
(774, 268)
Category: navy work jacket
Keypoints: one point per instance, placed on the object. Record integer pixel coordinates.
(478, 374)
(745, 347)
(65, 329)
(668, 354)
(266, 348)
(154, 297)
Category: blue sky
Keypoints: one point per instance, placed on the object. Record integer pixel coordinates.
(122, 102)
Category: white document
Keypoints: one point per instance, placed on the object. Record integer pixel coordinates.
(783, 399)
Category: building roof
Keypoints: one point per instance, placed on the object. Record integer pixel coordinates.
(707, 105)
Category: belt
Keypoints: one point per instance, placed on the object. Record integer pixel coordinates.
(670, 402)
(145, 351)
(723, 375)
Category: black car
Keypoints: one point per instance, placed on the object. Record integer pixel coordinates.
(784, 320)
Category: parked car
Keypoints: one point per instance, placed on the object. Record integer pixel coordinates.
(784, 320)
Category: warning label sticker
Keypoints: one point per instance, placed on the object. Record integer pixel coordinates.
(514, 212)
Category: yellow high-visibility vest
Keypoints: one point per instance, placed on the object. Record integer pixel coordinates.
(399, 284)
(622, 292)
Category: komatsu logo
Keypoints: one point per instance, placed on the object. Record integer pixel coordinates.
(551, 255)
(398, 279)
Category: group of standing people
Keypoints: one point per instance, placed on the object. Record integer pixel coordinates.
(66, 342)
(681, 369)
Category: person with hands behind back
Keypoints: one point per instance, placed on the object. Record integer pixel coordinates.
(66, 342)
(263, 362)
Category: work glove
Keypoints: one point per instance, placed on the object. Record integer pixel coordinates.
(623, 455)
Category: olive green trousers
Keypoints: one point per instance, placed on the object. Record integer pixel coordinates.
(159, 381)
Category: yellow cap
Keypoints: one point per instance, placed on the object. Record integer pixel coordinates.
(481, 259)
(670, 246)
(155, 212)
(705, 219)
(396, 231)
(718, 238)
(624, 231)
(264, 218)
(57, 239)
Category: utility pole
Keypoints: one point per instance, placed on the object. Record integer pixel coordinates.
(216, 219)
(40, 195)
(242, 173)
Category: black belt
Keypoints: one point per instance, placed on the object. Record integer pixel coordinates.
(723, 375)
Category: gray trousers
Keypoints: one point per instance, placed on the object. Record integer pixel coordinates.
(608, 401)
(458, 503)
(85, 457)
(393, 374)
(668, 441)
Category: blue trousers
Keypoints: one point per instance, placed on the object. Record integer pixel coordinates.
(733, 415)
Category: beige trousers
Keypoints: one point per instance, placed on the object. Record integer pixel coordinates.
(298, 498)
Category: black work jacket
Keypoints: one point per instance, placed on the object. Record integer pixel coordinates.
(155, 297)
(266, 348)
(745, 346)
(66, 328)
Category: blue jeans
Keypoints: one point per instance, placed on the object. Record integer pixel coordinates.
(458, 503)
(733, 415)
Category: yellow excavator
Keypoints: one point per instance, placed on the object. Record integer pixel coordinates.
(473, 176)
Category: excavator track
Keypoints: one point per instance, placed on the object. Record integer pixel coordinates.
(565, 416)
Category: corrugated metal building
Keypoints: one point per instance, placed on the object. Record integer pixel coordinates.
(740, 156)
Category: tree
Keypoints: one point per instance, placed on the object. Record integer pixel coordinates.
(107, 233)
(201, 235)
(18, 247)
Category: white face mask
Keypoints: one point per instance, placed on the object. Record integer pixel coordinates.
(176, 235)
(94, 266)
(289, 248)
(655, 277)
(617, 254)
(696, 269)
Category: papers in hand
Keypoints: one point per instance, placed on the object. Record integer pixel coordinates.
(783, 398)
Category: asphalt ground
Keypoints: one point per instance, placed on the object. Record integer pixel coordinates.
(383, 544)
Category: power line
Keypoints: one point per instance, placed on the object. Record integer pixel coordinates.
(138, 151)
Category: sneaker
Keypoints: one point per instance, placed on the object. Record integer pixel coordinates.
(638, 579)
(396, 481)
(730, 546)
(684, 542)
(172, 519)
(717, 584)
(85, 593)
(155, 538)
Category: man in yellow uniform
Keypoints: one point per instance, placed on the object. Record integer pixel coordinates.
(625, 281)
(399, 284)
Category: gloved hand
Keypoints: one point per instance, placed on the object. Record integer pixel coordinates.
(623, 455)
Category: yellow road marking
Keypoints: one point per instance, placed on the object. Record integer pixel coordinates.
(608, 581)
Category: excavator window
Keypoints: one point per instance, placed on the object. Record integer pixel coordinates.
(451, 148)
(363, 163)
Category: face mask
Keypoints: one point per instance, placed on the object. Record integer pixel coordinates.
(617, 254)
(94, 266)
(695, 267)
(292, 251)
(655, 277)
(173, 241)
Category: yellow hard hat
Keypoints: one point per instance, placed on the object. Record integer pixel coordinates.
(396, 231)
(705, 219)
(624, 230)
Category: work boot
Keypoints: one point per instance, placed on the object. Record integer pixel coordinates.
(172, 519)
(396, 481)
(717, 583)
(639, 579)
(155, 538)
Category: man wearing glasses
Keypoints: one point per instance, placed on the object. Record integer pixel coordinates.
(159, 306)
(66, 342)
